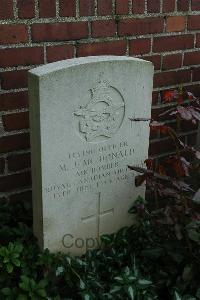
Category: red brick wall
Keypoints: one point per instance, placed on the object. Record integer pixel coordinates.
(34, 32)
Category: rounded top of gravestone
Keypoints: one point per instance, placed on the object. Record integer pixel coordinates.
(63, 64)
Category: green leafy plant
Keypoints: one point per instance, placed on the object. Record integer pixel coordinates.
(10, 256)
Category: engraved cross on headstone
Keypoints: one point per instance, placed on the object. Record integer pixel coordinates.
(98, 215)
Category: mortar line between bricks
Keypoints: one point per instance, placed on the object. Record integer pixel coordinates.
(145, 9)
(89, 28)
(130, 7)
(16, 192)
(36, 9)
(96, 40)
(176, 7)
(13, 91)
(57, 9)
(96, 7)
(10, 173)
(15, 9)
(161, 6)
(6, 166)
(190, 5)
(183, 134)
(38, 20)
(186, 84)
(45, 54)
(15, 111)
(15, 132)
(2, 131)
(29, 35)
(77, 10)
(16, 153)
(113, 8)
(186, 24)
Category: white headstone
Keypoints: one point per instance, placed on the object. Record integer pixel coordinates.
(82, 140)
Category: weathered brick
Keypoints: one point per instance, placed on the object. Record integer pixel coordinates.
(67, 8)
(170, 43)
(14, 142)
(15, 181)
(153, 6)
(104, 7)
(26, 9)
(122, 7)
(10, 101)
(21, 56)
(59, 31)
(16, 121)
(194, 22)
(171, 78)
(155, 59)
(138, 6)
(158, 147)
(2, 165)
(168, 5)
(156, 112)
(19, 197)
(18, 162)
(55, 53)
(14, 79)
(104, 48)
(195, 5)
(104, 28)
(177, 23)
(196, 74)
(192, 139)
(140, 26)
(87, 7)
(155, 97)
(13, 34)
(192, 58)
(47, 8)
(198, 40)
(6, 9)
(182, 5)
(195, 89)
(172, 61)
(139, 46)
(188, 126)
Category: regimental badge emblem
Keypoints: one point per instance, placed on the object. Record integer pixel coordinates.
(103, 115)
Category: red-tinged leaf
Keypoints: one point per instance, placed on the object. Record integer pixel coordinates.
(160, 170)
(149, 163)
(140, 179)
(176, 165)
(180, 99)
(190, 96)
(184, 113)
(169, 96)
